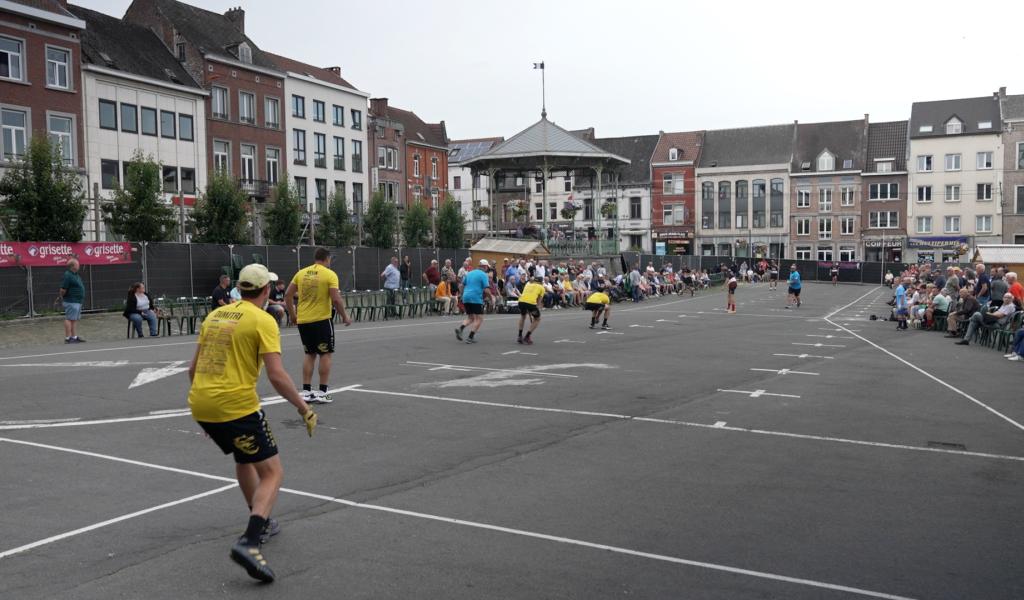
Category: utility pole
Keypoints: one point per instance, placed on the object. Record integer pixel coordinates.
(96, 211)
(181, 216)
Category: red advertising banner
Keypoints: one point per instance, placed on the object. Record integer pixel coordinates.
(56, 254)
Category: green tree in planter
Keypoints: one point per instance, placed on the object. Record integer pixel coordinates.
(40, 198)
(284, 217)
(380, 222)
(416, 226)
(136, 211)
(451, 225)
(219, 216)
(336, 227)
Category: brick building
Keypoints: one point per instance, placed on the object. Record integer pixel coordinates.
(399, 135)
(1013, 171)
(883, 206)
(673, 190)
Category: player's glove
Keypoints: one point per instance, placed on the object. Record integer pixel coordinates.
(310, 419)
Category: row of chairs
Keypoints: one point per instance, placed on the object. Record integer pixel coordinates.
(181, 314)
(999, 337)
(373, 305)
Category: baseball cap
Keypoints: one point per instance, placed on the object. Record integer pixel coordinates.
(484, 263)
(255, 276)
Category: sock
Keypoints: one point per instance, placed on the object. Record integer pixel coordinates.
(307, 387)
(471, 334)
(521, 333)
(462, 328)
(254, 529)
(528, 334)
(605, 322)
(323, 388)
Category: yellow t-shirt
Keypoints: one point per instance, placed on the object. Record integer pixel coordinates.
(598, 298)
(532, 293)
(232, 342)
(442, 290)
(314, 284)
(567, 285)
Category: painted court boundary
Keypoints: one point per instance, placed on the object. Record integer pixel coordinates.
(440, 519)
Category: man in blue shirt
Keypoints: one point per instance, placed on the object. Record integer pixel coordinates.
(902, 309)
(983, 288)
(794, 287)
(72, 294)
(475, 285)
(392, 277)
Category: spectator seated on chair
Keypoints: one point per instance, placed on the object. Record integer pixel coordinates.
(445, 300)
(992, 318)
(139, 306)
(964, 309)
(275, 302)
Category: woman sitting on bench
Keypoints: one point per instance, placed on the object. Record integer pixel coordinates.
(138, 306)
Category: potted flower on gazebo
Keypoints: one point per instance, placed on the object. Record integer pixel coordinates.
(609, 210)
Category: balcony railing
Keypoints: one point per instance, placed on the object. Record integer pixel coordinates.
(256, 188)
(339, 163)
(320, 162)
(357, 164)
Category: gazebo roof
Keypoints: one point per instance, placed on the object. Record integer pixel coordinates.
(545, 142)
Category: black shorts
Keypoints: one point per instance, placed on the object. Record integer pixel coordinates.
(526, 308)
(317, 337)
(472, 308)
(592, 306)
(248, 438)
(774, 275)
(794, 291)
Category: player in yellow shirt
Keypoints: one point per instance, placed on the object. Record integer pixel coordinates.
(235, 342)
(528, 300)
(599, 304)
(317, 287)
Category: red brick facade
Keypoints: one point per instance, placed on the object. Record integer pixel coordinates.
(427, 182)
(675, 157)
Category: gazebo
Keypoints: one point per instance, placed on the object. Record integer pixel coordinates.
(542, 149)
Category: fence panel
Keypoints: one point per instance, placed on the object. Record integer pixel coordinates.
(367, 275)
(168, 270)
(421, 258)
(342, 265)
(283, 260)
(251, 254)
(14, 291)
(207, 262)
(107, 285)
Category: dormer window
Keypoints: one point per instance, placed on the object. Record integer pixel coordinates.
(673, 153)
(826, 162)
(925, 129)
(954, 126)
(984, 124)
(245, 53)
(847, 163)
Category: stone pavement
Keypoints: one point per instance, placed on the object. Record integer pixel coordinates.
(49, 331)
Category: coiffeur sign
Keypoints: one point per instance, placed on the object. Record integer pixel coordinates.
(56, 254)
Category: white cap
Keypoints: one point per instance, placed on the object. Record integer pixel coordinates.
(254, 277)
(484, 263)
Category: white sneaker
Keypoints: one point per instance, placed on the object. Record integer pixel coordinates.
(306, 395)
(1010, 355)
(321, 397)
(1015, 357)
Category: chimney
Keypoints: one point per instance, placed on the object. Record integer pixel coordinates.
(237, 16)
(379, 106)
(335, 70)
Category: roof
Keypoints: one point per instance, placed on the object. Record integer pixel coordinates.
(638, 149)
(687, 142)
(129, 48)
(843, 139)
(1001, 253)
(887, 140)
(765, 145)
(416, 129)
(544, 138)
(210, 32)
(1013, 106)
(321, 73)
(971, 111)
(59, 14)
(463, 150)
(507, 246)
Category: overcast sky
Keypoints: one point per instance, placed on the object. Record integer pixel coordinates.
(639, 66)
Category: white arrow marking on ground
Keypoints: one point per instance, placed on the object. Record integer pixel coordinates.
(515, 352)
(804, 356)
(819, 345)
(719, 423)
(680, 316)
(647, 326)
(568, 342)
(785, 372)
(150, 375)
(609, 332)
(758, 393)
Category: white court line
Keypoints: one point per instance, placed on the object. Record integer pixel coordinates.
(806, 356)
(758, 393)
(829, 336)
(67, 534)
(442, 366)
(508, 530)
(819, 345)
(784, 371)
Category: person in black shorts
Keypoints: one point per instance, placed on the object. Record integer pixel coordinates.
(528, 299)
(834, 273)
(773, 276)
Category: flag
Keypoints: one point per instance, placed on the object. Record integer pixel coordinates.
(539, 65)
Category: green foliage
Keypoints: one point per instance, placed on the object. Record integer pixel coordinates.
(40, 198)
(609, 210)
(136, 211)
(380, 222)
(284, 216)
(451, 225)
(336, 228)
(416, 226)
(219, 216)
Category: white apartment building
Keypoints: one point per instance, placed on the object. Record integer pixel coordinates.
(955, 178)
(326, 147)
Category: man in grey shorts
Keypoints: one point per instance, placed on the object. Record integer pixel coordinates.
(72, 294)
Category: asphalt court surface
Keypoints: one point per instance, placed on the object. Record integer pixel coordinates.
(687, 453)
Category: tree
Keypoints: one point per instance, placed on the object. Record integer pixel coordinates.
(416, 226)
(42, 199)
(451, 225)
(219, 216)
(283, 218)
(336, 228)
(380, 221)
(136, 211)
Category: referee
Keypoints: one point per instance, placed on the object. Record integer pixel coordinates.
(235, 341)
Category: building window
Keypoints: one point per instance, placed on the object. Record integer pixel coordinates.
(60, 130)
(170, 180)
(984, 192)
(846, 226)
(846, 196)
(672, 183)
(803, 198)
(825, 200)
(185, 130)
(568, 184)
(320, 150)
(983, 224)
(847, 254)
(167, 124)
(339, 154)
(188, 181)
(952, 162)
(129, 118)
(339, 115)
(924, 193)
(273, 165)
(247, 107)
(109, 176)
(826, 162)
(884, 166)
(775, 217)
(391, 155)
(298, 107)
(539, 210)
(321, 194)
(248, 162)
(299, 140)
(951, 224)
(954, 126)
(952, 193)
(803, 226)
(884, 219)
(924, 163)
(319, 112)
(588, 209)
(148, 121)
(675, 214)
(757, 191)
(924, 224)
(707, 205)
(416, 166)
(803, 253)
(673, 153)
(108, 115)
(724, 205)
(339, 190)
(1020, 155)
(245, 53)
(300, 187)
(57, 72)
(825, 228)
(271, 112)
(925, 129)
(11, 59)
(884, 191)
(635, 208)
(1019, 200)
(357, 119)
(984, 124)
(219, 100)
(741, 204)
(222, 157)
(357, 156)
(179, 51)
(433, 168)
(825, 253)
(457, 182)
(357, 197)
(15, 132)
(984, 160)
(539, 183)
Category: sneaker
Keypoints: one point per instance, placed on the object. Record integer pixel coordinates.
(271, 529)
(592, 326)
(68, 341)
(470, 340)
(1016, 357)
(963, 343)
(787, 307)
(606, 326)
(528, 341)
(251, 559)
(77, 340)
(519, 340)
(458, 334)
(319, 397)
(1010, 355)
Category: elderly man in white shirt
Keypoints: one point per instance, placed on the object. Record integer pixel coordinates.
(994, 317)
